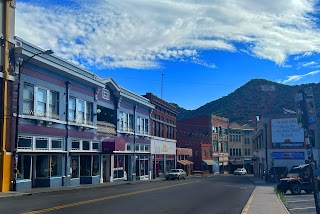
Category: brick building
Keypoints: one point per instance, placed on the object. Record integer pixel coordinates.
(163, 132)
(207, 137)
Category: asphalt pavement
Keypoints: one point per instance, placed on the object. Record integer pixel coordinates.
(216, 194)
(300, 204)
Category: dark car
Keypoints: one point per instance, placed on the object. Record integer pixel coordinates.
(297, 180)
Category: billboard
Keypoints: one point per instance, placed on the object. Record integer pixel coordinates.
(285, 133)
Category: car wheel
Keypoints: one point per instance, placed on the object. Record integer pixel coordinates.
(295, 189)
(167, 178)
(185, 177)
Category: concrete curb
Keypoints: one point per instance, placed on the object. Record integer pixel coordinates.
(284, 206)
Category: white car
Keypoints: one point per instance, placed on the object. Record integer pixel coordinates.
(176, 174)
(240, 171)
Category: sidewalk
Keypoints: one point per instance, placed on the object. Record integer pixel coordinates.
(264, 200)
(66, 188)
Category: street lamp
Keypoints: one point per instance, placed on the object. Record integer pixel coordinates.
(46, 52)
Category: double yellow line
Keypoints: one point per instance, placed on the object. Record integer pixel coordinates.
(104, 198)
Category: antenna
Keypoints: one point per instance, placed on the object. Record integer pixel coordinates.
(161, 85)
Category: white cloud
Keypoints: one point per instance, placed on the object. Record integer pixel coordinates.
(295, 78)
(137, 34)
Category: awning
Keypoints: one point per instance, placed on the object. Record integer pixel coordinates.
(185, 162)
(209, 162)
(109, 145)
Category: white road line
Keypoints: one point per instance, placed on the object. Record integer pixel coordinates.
(298, 201)
(302, 208)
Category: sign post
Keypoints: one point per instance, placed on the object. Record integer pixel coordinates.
(307, 114)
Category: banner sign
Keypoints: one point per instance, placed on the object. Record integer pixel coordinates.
(289, 155)
(285, 133)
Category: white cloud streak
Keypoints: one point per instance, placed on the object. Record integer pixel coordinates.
(295, 78)
(140, 33)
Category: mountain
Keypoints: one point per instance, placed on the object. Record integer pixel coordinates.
(250, 100)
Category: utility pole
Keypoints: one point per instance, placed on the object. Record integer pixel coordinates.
(307, 112)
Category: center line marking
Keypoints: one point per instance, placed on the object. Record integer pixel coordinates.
(104, 198)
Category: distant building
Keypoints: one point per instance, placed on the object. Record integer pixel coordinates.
(279, 143)
(184, 160)
(163, 132)
(240, 147)
(207, 136)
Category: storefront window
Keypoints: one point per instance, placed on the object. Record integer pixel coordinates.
(95, 165)
(95, 146)
(48, 166)
(119, 165)
(74, 168)
(24, 167)
(42, 166)
(56, 165)
(142, 165)
(85, 163)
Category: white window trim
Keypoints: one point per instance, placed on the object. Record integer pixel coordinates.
(34, 146)
(85, 121)
(35, 102)
(90, 146)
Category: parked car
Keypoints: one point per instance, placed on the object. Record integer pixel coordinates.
(240, 171)
(176, 174)
(297, 180)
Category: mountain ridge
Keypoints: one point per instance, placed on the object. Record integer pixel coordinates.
(249, 100)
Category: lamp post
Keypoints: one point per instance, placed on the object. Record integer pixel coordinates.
(46, 52)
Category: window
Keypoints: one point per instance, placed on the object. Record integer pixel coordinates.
(85, 145)
(138, 147)
(128, 147)
(72, 109)
(95, 145)
(239, 152)
(28, 99)
(106, 94)
(74, 167)
(204, 153)
(90, 165)
(225, 147)
(215, 146)
(24, 167)
(75, 145)
(126, 122)
(230, 152)
(56, 144)
(24, 142)
(48, 165)
(44, 104)
(41, 102)
(248, 151)
(80, 111)
(42, 143)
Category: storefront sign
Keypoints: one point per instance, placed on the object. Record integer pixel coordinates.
(109, 145)
(163, 147)
(286, 133)
(288, 155)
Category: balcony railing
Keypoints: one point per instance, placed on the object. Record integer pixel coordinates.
(39, 113)
(106, 128)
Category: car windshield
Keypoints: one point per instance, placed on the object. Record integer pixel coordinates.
(239, 169)
(174, 170)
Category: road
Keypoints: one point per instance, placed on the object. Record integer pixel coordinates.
(216, 194)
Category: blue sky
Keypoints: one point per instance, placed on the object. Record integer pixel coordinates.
(204, 49)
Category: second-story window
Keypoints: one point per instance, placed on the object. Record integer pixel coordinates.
(40, 102)
(80, 111)
(126, 121)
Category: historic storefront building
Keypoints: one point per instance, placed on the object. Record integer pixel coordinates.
(163, 131)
